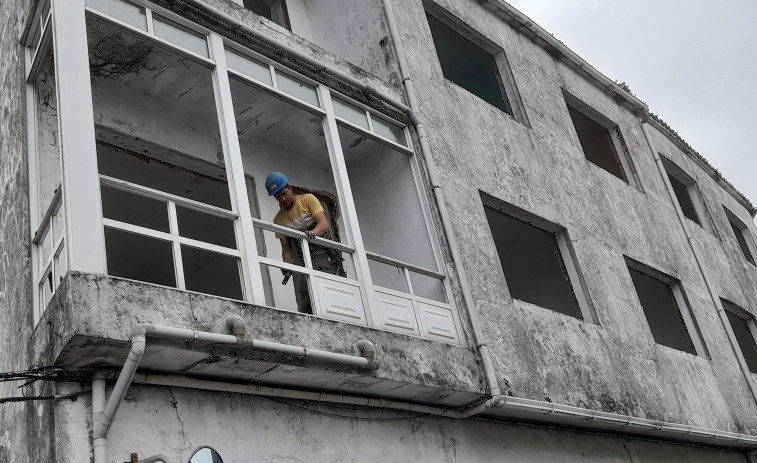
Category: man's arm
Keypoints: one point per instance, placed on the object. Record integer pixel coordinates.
(321, 224)
(286, 250)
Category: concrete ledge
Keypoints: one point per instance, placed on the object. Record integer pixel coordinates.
(88, 324)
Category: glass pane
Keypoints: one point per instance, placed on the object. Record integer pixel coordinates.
(297, 89)
(211, 273)
(58, 222)
(46, 290)
(286, 290)
(249, 67)
(428, 287)
(205, 227)
(61, 265)
(388, 130)
(180, 35)
(323, 258)
(348, 112)
(155, 116)
(46, 248)
(277, 136)
(139, 257)
(388, 276)
(125, 11)
(48, 139)
(388, 206)
(134, 209)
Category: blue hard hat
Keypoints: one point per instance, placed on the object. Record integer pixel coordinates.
(275, 182)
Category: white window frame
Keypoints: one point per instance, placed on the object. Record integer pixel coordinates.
(684, 308)
(569, 258)
(85, 212)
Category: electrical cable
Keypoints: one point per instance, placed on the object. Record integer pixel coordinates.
(345, 417)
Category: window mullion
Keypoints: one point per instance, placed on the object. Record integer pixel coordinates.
(246, 242)
(81, 190)
(341, 180)
(173, 226)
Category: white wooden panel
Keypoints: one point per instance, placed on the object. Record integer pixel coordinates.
(396, 313)
(339, 301)
(437, 323)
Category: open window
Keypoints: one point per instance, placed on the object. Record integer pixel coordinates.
(600, 140)
(666, 309)
(272, 10)
(686, 192)
(537, 260)
(742, 235)
(743, 325)
(473, 62)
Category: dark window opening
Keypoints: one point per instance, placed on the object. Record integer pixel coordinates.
(740, 232)
(139, 257)
(134, 209)
(532, 262)
(211, 273)
(743, 332)
(273, 10)
(596, 142)
(205, 227)
(682, 187)
(468, 65)
(662, 312)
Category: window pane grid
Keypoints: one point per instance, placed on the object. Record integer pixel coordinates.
(365, 121)
(140, 19)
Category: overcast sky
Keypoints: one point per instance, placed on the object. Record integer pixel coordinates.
(694, 62)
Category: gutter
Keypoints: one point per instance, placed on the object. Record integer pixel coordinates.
(558, 50)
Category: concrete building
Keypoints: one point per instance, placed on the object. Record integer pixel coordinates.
(532, 266)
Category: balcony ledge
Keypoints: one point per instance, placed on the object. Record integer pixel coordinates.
(88, 324)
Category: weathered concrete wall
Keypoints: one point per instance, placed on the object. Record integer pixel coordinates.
(355, 31)
(176, 422)
(614, 365)
(16, 419)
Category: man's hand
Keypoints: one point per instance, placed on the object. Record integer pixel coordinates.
(310, 235)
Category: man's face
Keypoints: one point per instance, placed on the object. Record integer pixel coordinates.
(285, 197)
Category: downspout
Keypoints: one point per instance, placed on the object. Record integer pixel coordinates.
(480, 339)
(102, 412)
(698, 258)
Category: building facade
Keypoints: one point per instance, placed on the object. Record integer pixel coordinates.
(532, 267)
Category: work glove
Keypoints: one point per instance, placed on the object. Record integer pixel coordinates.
(310, 234)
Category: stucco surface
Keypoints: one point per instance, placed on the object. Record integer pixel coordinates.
(176, 421)
(614, 365)
(16, 419)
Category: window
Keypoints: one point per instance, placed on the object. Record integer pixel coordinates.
(599, 138)
(686, 192)
(273, 10)
(666, 309)
(537, 260)
(743, 325)
(186, 130)
(473, 62)
(742, 235)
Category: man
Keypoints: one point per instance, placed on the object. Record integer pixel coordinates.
(303, 213)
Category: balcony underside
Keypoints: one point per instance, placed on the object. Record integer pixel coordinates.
(88, 324)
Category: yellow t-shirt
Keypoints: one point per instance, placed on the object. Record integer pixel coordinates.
(302, 214)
